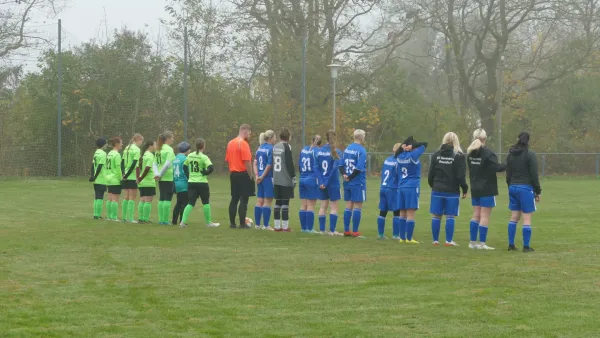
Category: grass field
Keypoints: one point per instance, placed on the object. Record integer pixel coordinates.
(63, 274)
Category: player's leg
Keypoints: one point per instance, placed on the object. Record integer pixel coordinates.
(484, 219)
(403, 215)
(204, 192)
(99, 190)
(322, 211)
(141, 206)
(514, 204)
(412, 205)
(285, 215)
(528, 208)
(359, 196)
(436, 208)
(348, 211)
(260, 202)
(125, 202)
(383, 205)
(277, 209)
(475, 222)
(193, 192)
(132, 198)
(167, 201)
(236, 190)
(266, 212)
(310, 215)
(396, 225)
(178, 208)
(451, 210)
(148, 204)
(303, 189)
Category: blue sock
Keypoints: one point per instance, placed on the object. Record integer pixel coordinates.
(436, 225)
(266, 215)
(310, 220)
(396, 227)
(302, 215)
(381, 225)
(483, 233)
(257, 214)
(332, 222)
(410, 229)
(449, 228)
(322, 221)
(474, 226)
(526, 234)
(356, 215)
(402, 228)
(347, 218)
(512, 231)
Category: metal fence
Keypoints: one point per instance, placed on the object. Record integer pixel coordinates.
(576, 164)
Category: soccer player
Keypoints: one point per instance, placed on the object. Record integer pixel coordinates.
(131, 155)
(180, 179)
(409, 183)
(447, 175)
(163, 173)
(263, 167)
(97, 176)
(388, 194)
(241, 178)
(200, 167)
(309, 190)
(329, 159)
(146, 182)
(483, 166)
(113, 175)
(284, 179)
(524, 190)
(355, 183)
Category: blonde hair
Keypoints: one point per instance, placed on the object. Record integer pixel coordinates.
(162, 138)
(134, 138)
(331, 139)
(452, 139)
(479, 136)
(396, 146)
(316, 142)
(359, 134)
(266, 137)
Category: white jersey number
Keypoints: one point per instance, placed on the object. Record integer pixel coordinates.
(306, 165)
(404, 172)
(387, 175)
(277, 164)
(261, 165)
(325, 166)
(349, 166)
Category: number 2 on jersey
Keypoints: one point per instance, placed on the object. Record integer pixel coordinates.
(387, 175)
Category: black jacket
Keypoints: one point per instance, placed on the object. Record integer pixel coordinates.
(447, 171)
(521, 168)
(483, 166)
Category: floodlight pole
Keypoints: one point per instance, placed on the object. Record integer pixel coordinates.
(334, 73)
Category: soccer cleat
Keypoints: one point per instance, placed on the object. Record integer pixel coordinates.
(213, 225)
(474, 246)
(278, 230)
(141, 222)
(182, 225)
(267, 228)
(436, 243)
(133, 222)
(512, 248)
(233, 226)
(303, 230)
(357, 235)
(482, 246)
(287, 230)
(314, 232)
(97, 217)
(347, 234)
(528, 249)
(452, 243)
(402, 241)
(245, 226)
(412, 241)
(382, 237)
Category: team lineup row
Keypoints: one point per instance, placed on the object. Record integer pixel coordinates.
(320, 166)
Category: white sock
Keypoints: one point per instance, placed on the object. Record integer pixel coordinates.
(285, 224)
(277, 224)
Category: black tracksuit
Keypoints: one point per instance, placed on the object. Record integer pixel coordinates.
(483, 166)
(521, 169)
(447, 171)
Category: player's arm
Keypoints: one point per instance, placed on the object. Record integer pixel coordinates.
(508, 169)
(533, 173)
(361, 165)
(144, 173)
(418, 150)
(461, 172)
(122, 167)
(168, 164)
(186, 170)
(431, 174)
(255, 165)
(494, 165)
(209, 167)
(399, 151)
(130, 170)
(247, 158)
(289, 161)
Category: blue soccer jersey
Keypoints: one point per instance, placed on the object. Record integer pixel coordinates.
(409, 168)
(264, 158)
(179, 177)
(389, 173)
(355, 157)
(308, 162)
(327, 167)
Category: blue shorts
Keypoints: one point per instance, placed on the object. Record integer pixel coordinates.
(265, 188)
(444, 204)
(484, 202)
(330, 194)
(309, 189)
(522, 198)
(388, 199)
(408, 198)
(355, 193)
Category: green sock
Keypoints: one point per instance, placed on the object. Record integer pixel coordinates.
(160, 211)
(141, 211)
(95, 208)
(115, 210)
(109, 209)
(186, 213)
(207, 213)
(166, 211)
(130, 210)
(124, 209)
(147, 210)
(100, 207)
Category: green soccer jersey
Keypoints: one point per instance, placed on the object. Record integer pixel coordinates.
(197, 162)
(165, 155)
(130, 154)
(113, 174)
(100, 159)
(148, 181)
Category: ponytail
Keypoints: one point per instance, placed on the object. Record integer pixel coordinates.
(479, 136)
(145, 147)
(330, 135)
(523, 140)
(266, 137)
(316, 141)
(261, 139)
(162, 138)
(200, 143)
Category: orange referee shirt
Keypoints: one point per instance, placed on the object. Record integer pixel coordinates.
(238, 151)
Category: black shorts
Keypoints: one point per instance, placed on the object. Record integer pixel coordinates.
(129, 184)
(196, 190)
(147, 191)
(114, 189)
(99, 190)
(283, 193)
(166, 190)
(241, 184)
